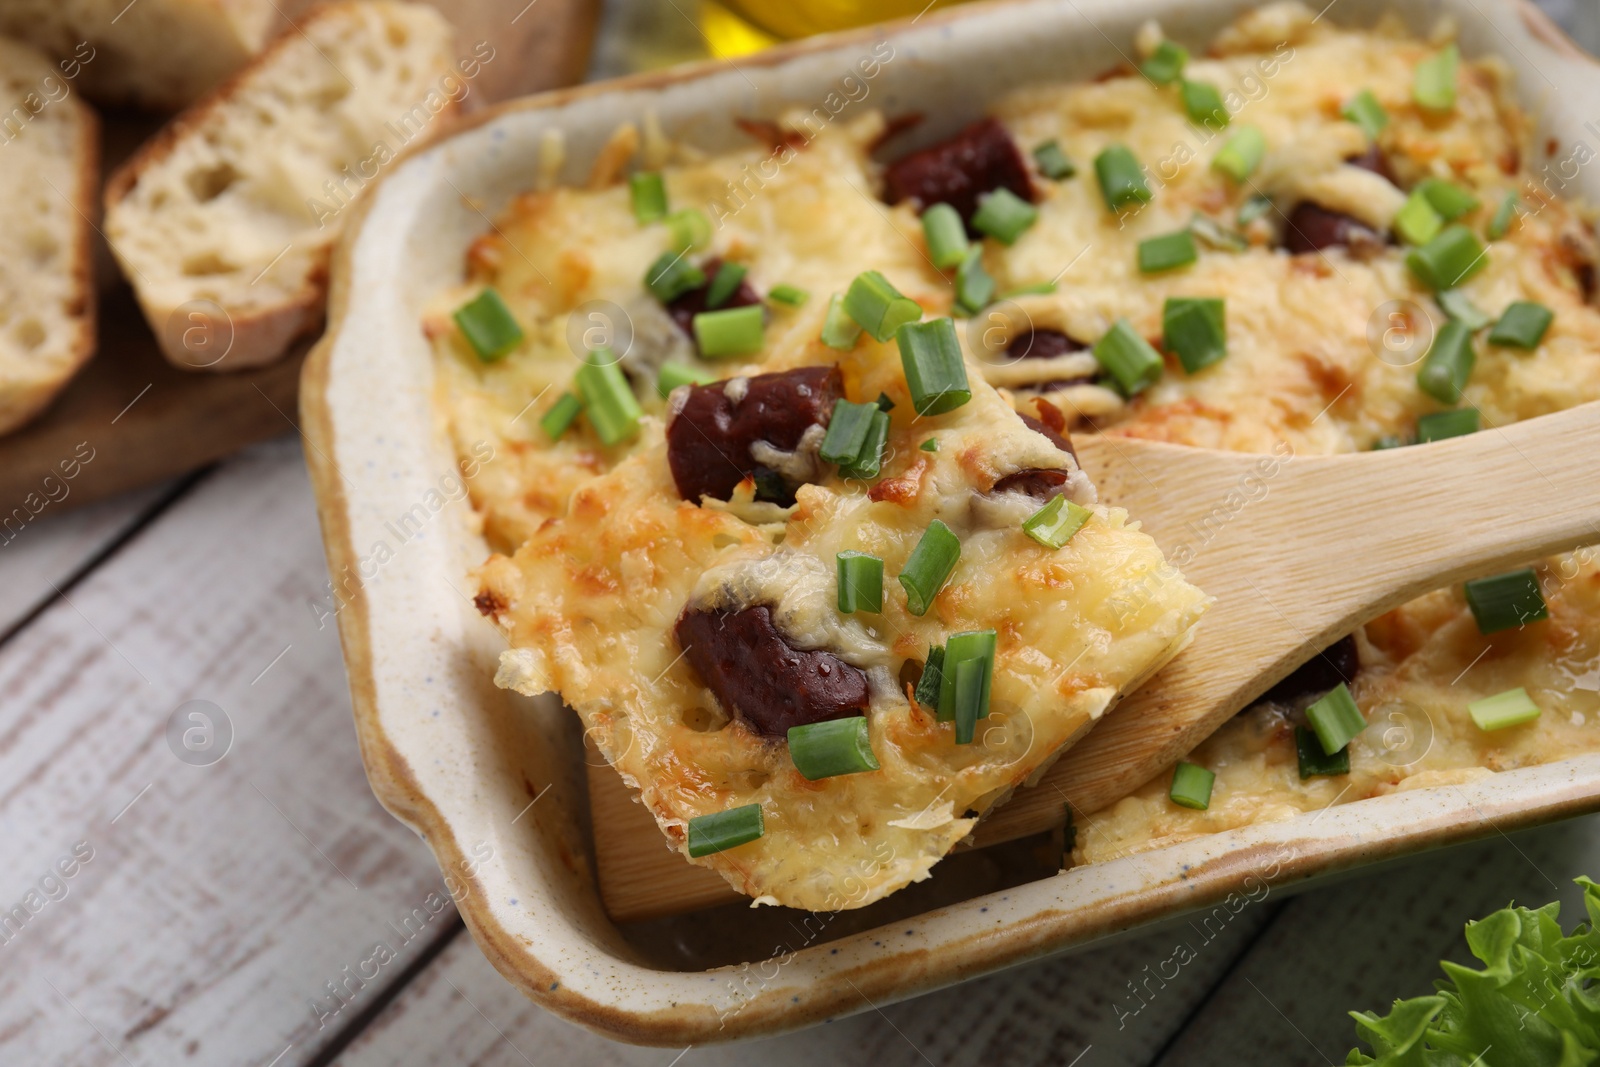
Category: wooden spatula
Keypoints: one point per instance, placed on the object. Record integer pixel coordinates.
(1297, 551)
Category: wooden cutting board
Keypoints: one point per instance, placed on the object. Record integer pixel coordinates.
(142, 419)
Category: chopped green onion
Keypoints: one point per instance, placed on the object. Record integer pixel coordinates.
(1434, 85)
(560, 416)
(1121, 178)
(935, 372)
(847, 431)
(722, 830)
(1191, 786)
(1054, 524)
(1447, 198)
(608, 399)
(1166, 63)
(785, 293)
(725, 284)
(488, 326)
(1004, 215)
(1204, 105)
(649, 194)
(927, 690)
(1053, 162)
(974, 286)
(1365, 111)
(1389, 440)
(1335, 719)
(1418, 221)
(1522, 325)
(671, 375)
(930, 445)
(1448, 364)
(689, 228)
(966, 704)
(945, 234)
(1194, 329)
(1217, 235)
(870, 461)
(1511, 708)
(878, 306)
(672, 275)
(1500, 225)
(839, 330)
(1459, 306)
(929, 566)
(1243, 153)
(1254, 208)
(884, 403)
(1449, 259)
(1506, 601)
(1128, 358)
(1313, 761)
(1036, 289)
(1167, 252)
(860, 582)
(730, 332)
(828, 749)
(1443, 424)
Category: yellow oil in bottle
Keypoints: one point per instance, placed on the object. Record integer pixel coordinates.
(739, 27)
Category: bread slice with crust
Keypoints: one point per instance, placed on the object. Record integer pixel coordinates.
(49, 171)
(223, 221)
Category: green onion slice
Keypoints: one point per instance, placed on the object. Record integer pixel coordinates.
(1204, 105)
(847, 431)
(1004, 215)
(1335, 719)
(1054, 524)
(1365, 111)
(1166, 63)
(974, 286)
(1418, 221)
(1506, 601)
(884, 403)
(878, 306)
(730, 332)
(488, 326)
(1511, 708)
(860, 583)
(1313, 761)
(1449, 259)
(1121, 178)
(945, 235)
(1053, 162)
(1035, 289)
(935, 371)
(1243, 153)
(1128, 358)
(839, 330)
(1443, 424)
(1447, 198)
(828, 749)
(725, 284)
(930, 445)
(1388, 441)
(1504, 215)
(1167, 252)
(927, 690)
(1448, 364)
(689, 228)
(1459, 306)
(608, 399)
(1195, 330)
(722, 830)
(1522, 325)
(672, 275)
(784, 293)
(649, 195)
(1213, 233)
(1191, 786)
(1433, 86)
(671, 375)
(967, 675)
(869, 462)
(970, 702)
(560, 416)
(929, 566)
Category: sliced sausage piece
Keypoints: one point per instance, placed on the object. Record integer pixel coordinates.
(1373, 159)
(1312, 228)
(709, 438)
(1043, 344)
(979, 159)
(756, 676)
(1052, 433)
(1337, 663)
(687, 305)
(1041, 483)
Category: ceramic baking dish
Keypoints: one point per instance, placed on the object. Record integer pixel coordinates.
(494, 782)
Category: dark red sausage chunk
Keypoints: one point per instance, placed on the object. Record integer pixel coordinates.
(756, 676)
(979, 159)
(685, 307)
(1047, 344)
(1337, 663)
(709, 438)
(1374, 160)
(1312, 228)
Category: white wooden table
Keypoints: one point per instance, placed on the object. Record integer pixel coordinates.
(221, 891)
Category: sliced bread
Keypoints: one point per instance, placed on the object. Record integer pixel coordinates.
(49, 173)
(223, 221)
